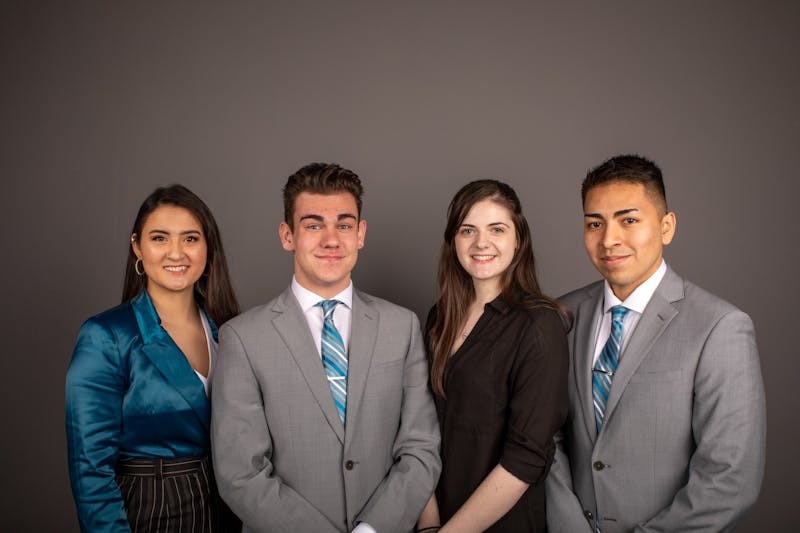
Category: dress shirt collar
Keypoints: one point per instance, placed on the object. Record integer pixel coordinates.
(499, 305)
(640, 297)
(308, 299)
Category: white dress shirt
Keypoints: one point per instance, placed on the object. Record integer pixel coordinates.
(635, 303)
(342, 318)
(314, 315)
(212, 353)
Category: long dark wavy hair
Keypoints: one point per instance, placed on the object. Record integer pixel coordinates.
(214, 288)
(519, 286)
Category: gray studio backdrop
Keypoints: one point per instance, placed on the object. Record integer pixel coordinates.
(101, 102)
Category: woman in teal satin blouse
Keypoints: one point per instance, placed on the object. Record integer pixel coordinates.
(137, 403)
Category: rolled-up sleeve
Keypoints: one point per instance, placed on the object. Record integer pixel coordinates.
(538, 402)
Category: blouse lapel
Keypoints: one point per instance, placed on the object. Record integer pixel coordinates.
(165, 355)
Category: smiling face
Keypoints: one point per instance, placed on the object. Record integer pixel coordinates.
(485, 243)
(624, 234)
(172, 248)
(326, 238)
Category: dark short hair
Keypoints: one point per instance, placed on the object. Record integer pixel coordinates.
(629, 168)
(214, 288)
(320, 178)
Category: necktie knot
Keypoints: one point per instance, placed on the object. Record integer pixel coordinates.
(327, 307)
(618, 313)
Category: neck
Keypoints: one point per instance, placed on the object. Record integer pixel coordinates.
(174, 307)
(325, 291)
(485, 291)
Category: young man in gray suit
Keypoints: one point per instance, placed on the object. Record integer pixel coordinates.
(667, 424)
(322, 420)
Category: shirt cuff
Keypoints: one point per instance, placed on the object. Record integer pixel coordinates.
(363, 527)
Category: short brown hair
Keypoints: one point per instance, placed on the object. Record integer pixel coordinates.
(632, 169)
(320, 178)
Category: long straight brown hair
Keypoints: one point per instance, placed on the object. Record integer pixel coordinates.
(214, 288)
(519, 286)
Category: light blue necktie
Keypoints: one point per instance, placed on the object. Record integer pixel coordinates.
(334, 357)
(606, 365)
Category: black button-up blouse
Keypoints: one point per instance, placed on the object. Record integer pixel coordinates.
(506, 390)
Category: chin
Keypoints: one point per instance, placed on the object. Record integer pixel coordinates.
(180, 287)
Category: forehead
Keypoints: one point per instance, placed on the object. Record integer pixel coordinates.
(171, 216)
(617, 195)
(325, 205)
(488, 211)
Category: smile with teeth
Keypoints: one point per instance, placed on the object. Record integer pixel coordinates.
(181, 268)
(483, 257)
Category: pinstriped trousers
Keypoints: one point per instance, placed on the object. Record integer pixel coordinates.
(173, 496)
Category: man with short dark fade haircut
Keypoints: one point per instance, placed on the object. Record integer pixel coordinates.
(322, 419)
(633, 169)
(667, 422)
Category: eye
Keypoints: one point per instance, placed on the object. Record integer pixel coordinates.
(593, 225)
(345, 227)
(629, 220)
(466, 231)
(498, 229)
(192, 238)
(158, 238)
(313, 227)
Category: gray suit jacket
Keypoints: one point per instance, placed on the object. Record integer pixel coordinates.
(283, 460)
(682, 443)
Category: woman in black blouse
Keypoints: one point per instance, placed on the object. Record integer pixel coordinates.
(498, 360)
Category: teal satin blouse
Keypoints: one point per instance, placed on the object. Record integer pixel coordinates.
(130, 393)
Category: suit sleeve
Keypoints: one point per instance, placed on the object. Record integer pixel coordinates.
(564, 510)
(95, 385)
(398, 501)
(242, 449)
(729, 426)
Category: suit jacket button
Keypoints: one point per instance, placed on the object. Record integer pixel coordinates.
(598, 465)
(588, 514)
(349, 465)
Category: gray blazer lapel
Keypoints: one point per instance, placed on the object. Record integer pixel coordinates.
(292, 326)
(655, 319)
(587, 315)
(363, 334)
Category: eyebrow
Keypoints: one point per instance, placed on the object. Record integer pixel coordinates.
(617, 214)
(184, 232)
(319, 218)
(489, 224)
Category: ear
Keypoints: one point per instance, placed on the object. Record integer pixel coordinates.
(668, 223)
(285, 234)
(137, 251)
(362, 232)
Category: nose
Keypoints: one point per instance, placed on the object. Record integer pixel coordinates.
(481, 239)
(611, 236)
(175, 249)
(330, 237)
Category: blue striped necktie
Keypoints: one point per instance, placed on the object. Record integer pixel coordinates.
(334, 357)
(606, 365)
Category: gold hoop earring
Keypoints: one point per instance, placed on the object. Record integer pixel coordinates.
(136, 267)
